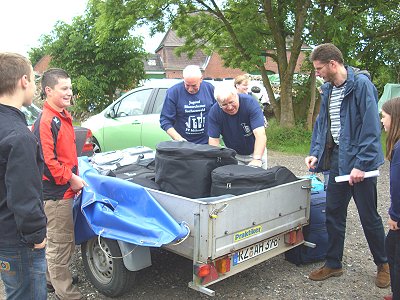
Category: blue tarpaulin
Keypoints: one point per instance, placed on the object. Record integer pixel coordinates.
(121, 210)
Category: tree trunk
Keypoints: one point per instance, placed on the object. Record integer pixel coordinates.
(311, 108)
(286, 101)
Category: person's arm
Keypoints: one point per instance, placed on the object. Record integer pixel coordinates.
(174, 134)
(23, 182)
(368, 143)
(168, 116)
(259, 146)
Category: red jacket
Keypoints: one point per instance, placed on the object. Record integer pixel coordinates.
(57, 141)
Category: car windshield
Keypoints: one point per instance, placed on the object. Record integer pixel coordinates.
(31, 113)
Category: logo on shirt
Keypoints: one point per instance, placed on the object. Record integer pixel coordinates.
(56, 120)
(196, 120)
(246, 129)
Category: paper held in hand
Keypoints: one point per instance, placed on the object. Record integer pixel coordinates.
(368, 174)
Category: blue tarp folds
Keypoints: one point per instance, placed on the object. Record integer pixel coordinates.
(121, 210)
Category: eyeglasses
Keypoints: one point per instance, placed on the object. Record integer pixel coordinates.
(225, 105)
(320, 68)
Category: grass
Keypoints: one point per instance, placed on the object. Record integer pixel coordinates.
(295, 140)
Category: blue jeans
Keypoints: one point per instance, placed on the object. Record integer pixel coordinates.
(23, 271)
(393, 253)
(338, 196)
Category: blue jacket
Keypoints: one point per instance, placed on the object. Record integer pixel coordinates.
(359, 140)
(394, 210)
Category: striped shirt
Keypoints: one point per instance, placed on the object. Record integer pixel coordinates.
(334, 111)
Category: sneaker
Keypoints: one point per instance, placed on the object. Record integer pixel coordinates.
(324, 273)
(50, 287)
(383, 276)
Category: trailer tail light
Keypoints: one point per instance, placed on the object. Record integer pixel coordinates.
(223, 265)
(207, 272)
(294, 237)
(202, 270)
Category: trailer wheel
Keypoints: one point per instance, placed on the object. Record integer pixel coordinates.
(106, 272)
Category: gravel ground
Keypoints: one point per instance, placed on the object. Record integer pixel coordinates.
(276, 278)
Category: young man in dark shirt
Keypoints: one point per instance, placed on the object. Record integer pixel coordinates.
(22, 219)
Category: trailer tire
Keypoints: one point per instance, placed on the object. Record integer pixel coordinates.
(106, 272)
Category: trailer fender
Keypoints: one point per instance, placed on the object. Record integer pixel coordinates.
(135, 257)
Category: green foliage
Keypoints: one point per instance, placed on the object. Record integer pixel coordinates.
(98, 67)
(294, 140)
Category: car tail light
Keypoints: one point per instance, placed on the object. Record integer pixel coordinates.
(88, 146)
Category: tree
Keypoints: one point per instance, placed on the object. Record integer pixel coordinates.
(242, 32)
(97, 68)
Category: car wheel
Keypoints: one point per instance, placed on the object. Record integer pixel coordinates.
(104, 267)
(96, 146)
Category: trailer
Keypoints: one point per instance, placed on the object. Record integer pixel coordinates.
(227, 235)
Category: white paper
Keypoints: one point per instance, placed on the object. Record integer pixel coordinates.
(368, 174)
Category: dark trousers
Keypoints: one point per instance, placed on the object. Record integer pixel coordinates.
(393, 254)
(338, 196)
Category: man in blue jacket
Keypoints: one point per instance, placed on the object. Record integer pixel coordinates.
(186, 106)
(22, 218)
(348, 143)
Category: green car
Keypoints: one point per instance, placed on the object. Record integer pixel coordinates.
(133, 119)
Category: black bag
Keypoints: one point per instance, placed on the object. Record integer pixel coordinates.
(184, 168)
(242, 179)
(315, 233)
(135, 170)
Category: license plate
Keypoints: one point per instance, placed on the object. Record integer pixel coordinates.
(254, 250)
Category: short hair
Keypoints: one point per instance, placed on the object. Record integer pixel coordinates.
(240, 79)
(327, 52)
(224, 91)
(192, 71)
(392, 108)
(13, 67)
(50, 78)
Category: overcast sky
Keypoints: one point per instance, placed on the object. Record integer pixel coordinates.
(22, 22)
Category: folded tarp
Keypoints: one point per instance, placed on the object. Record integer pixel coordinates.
(121, 210)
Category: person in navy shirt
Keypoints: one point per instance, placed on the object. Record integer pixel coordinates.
(186, 106)
(391, 123)
(240, 121)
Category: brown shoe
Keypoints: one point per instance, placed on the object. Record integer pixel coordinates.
(324, 273)
(383, 276)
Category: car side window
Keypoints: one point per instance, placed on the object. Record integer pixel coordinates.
(158, 103)
(133, 104)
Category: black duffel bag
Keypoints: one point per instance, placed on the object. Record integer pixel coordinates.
(242, 179)
(184, 168)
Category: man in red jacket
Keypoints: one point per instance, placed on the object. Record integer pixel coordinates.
(60, 179)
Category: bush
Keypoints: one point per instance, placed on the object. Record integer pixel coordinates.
(296, 140)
